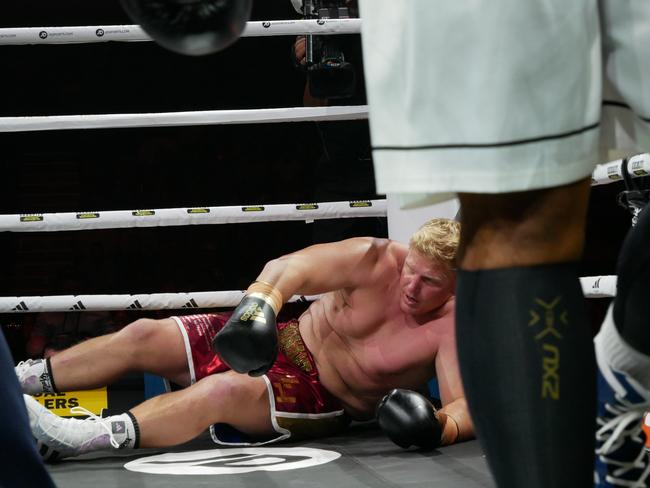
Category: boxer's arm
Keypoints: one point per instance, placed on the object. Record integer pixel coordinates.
(454, 405)
(351, 263)
(456, 423)
(248, 342)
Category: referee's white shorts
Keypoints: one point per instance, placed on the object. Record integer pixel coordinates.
(494, 96)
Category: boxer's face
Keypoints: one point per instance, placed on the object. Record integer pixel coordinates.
(425, 284)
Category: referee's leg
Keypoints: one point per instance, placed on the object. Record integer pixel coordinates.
(21, 463)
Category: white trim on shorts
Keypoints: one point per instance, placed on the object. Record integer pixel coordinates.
(283, 433)
(188, 349)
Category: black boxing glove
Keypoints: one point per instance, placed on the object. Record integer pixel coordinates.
(248, 342)
(191, 27)
(408, 418)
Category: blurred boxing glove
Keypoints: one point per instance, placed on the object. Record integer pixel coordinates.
(408, 418)
(248, 342)
(191, 27)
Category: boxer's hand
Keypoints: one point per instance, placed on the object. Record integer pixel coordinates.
(407, 418)
(248, 342)
(191, 27)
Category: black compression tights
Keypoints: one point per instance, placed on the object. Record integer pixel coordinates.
(528, 369)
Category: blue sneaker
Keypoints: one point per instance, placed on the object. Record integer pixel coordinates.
(621, 457)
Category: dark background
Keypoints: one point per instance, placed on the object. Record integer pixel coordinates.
(62, 171)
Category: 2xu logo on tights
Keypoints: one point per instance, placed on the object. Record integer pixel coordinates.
(232, 461)
(547, 318)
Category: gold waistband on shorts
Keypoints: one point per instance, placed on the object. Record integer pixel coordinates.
(292, 346)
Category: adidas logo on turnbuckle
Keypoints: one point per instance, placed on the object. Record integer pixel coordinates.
(78, 306)
(191, 304)
(21, 307)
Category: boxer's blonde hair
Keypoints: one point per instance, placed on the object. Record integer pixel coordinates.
(438, 239)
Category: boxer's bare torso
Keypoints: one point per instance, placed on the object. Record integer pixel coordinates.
(366, 340)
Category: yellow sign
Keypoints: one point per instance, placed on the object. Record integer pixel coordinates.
(88, 215)
(31, 218)
(307, 206)
(360, 204)
(61, 403)
(143, 213)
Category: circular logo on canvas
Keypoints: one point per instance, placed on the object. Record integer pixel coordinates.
(232, 461)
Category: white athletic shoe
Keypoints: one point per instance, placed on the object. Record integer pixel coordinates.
(32, 376)
(621, 459)
(72, 437)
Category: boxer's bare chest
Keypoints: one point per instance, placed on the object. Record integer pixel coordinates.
(364, 345)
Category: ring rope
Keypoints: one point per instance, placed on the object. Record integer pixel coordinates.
(611, 172)
(165, 217)
(592, 286)
(638, 166)
(153, 301)
(134, 33)
(177, 119)
(598, 286)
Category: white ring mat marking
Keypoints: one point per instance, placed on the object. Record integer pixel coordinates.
(232, 461)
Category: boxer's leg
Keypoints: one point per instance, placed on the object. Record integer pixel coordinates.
(154, 346)
(231, 398)
(166, 420)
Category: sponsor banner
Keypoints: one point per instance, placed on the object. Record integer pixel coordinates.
(61, 403)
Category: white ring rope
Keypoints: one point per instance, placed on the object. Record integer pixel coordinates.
(134, 33)
(637, 166)
(154, 301)
(176, 119)
(592, 286)
(165, 217)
